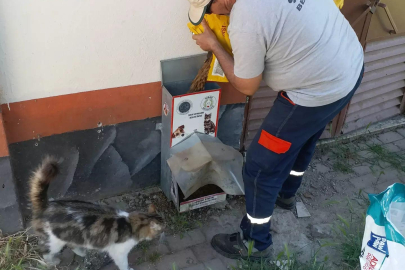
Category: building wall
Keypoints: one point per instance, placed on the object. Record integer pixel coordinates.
(51, 48)
(81, 80)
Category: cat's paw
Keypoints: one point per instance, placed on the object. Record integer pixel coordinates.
(81, 252)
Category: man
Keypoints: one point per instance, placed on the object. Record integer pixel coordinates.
(307, 51)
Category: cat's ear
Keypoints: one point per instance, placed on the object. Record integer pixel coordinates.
(151, 209)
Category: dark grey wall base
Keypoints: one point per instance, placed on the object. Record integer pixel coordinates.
(10, 216)
(106, 161)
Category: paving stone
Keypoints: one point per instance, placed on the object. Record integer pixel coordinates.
(400, 144)
(390, 137)
(145, 266)
(229, 263)
(364, 182)
(381, 186)
(204, 252)
(321, 168)
(181, 259)
(384, 164)
(342, 176)
(365, 154)
(302, 211)
(389, 174)
(372, 141)
(189, 239)
(223, 224)
(361, 170)
(215, 264)
(195, 267)
(401, 131)
(66, 257)
(392, 148)
(110, 266)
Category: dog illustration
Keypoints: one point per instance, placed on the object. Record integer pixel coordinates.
(179, 132)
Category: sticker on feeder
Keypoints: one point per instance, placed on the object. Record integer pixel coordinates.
(195, 112)
(165, 109)
(208, 103)
(201, 202)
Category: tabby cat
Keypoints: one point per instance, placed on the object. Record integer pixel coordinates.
(84, 225)
(209, 126)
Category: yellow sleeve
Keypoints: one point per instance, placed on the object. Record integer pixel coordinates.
(339, 3)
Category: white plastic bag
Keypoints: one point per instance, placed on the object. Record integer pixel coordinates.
(383, 245)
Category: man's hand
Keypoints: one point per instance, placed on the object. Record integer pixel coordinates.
(207, 40)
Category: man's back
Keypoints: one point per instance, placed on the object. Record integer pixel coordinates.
(308, 48)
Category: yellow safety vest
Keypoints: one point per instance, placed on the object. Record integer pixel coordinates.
(219, 25)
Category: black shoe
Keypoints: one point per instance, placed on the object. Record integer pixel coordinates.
(234, 247)
(288, 204)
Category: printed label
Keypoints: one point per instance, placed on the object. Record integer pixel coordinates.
(204, 201)
(371, 262)
(217, 69)
(208, 103)
(378, 243)
(196, 112)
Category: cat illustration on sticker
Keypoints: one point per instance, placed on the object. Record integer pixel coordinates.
(165, 109)
(184, 107)
(208, 103)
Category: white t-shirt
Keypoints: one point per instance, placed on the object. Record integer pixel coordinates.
(304, 47)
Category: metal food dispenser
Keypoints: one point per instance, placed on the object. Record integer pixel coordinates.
(189, 129)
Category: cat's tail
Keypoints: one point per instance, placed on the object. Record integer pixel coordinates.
(39, 183)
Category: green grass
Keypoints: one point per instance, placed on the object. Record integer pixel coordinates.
(382, 154)
(180, 223)
(349, 235)
(343, 167)
(18, 252)
(345, 155)
(154, 257)
(285, 260)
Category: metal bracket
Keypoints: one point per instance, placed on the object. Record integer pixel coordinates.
(387, 11)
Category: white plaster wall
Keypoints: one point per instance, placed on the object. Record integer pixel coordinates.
(56, 47)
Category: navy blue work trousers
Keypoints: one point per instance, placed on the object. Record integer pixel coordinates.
(278, 157)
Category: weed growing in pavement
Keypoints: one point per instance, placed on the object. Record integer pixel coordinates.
(345, 155)
(343, 167)
(382, 154)
(154, 257)
(180, 223)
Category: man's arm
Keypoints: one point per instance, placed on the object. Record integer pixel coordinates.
(245, 86)
(208, 42)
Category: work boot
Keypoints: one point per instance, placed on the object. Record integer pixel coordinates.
(234, 247)
(288, 204)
